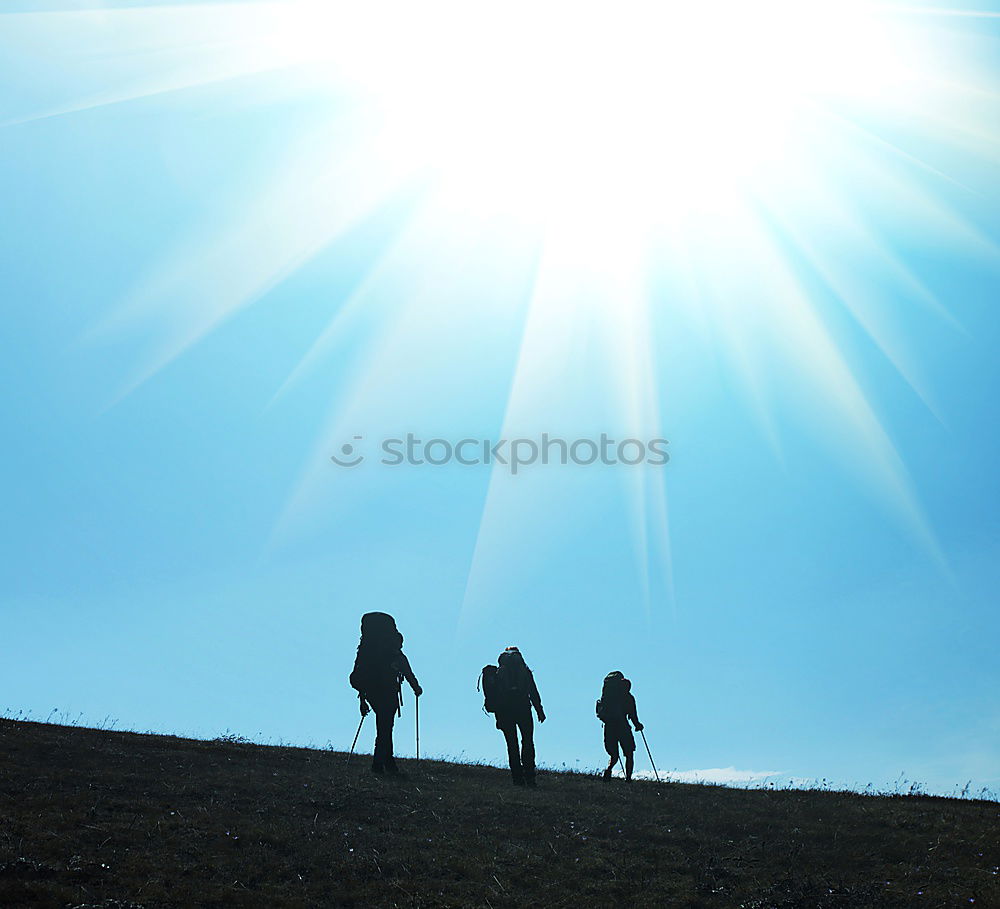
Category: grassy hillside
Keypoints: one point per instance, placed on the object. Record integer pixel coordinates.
(113, 819)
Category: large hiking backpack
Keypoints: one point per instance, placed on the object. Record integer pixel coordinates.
(492, 696)
(507, 684)
(614, 692)
(379, 628)
(375, 666)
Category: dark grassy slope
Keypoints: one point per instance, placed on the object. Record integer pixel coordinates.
(115, 819)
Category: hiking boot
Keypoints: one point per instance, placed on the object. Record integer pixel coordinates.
(606, 775)
(518, 780)
(378, 768)
(530, 781)
(390, 766)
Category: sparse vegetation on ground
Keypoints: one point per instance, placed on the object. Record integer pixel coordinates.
(120, 820)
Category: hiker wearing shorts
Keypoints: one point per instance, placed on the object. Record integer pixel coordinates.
(616, 708)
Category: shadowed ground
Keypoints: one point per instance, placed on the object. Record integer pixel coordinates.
(117, 819)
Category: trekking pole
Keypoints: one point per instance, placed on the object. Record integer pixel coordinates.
(650, 753)
(356, 734)
(416, 710)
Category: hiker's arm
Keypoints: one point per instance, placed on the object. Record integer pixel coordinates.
(409, 676)
(633, 714)
(536, 699)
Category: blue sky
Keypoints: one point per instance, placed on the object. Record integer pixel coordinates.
(215, 272)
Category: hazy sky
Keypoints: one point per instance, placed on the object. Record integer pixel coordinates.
(230, 247)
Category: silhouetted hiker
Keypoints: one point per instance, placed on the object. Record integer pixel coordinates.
(379, 670)
(615, 708)
(510, 693)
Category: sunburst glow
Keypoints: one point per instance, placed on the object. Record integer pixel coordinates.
(631, 110)
(729, 171)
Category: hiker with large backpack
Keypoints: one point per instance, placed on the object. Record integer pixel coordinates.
(510, 692)
(379, 670)
(615, 708)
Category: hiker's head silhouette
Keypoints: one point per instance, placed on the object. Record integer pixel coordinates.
(511, 655)
(615, 684)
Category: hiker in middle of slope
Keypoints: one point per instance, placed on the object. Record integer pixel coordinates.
(615, 708)
(511, 693)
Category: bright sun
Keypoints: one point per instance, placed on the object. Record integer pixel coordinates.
(760, 162)
(632, 110)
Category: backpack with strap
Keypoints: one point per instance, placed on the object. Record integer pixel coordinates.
(611, 706)
(376, 667)
(507, 685)
(492, 695)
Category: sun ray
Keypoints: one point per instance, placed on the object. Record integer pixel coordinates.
(407, 374)
(220, 269)
(590, 301)
(849, 274)
(937, 11)
(354, 308)
(70, 61)
(786, 170)
(813, 356)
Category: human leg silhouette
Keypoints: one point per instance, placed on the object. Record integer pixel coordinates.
(611, 747)
(508, 726)
(627, 742)
(526, 725)
(385, 717)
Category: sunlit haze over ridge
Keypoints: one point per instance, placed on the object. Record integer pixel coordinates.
(242, 236)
